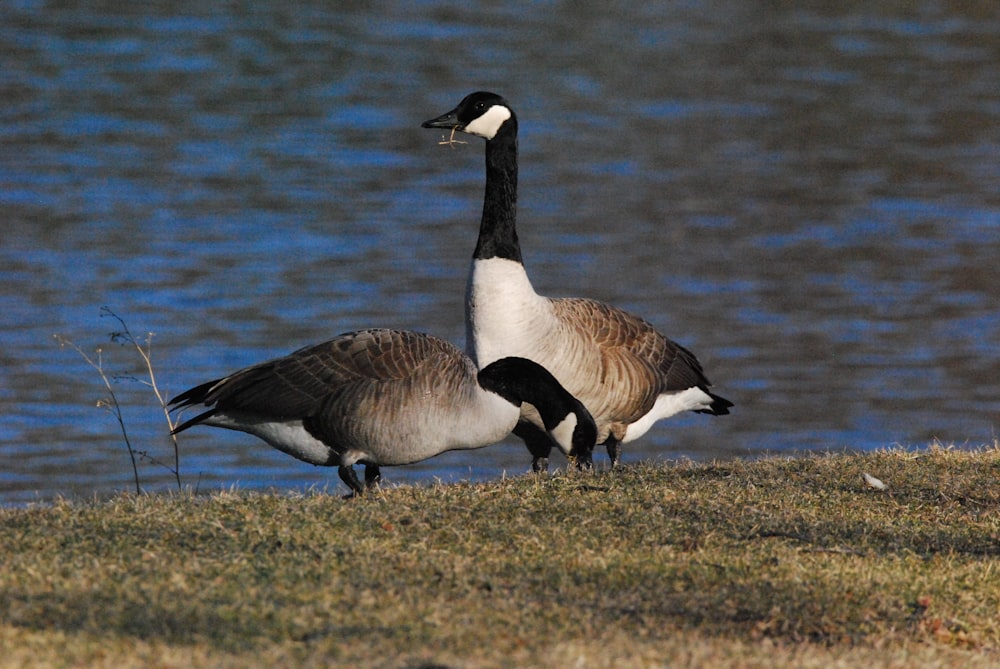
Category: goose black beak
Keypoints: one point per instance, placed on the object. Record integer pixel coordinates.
(447, 121)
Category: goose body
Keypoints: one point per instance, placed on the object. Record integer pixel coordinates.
(625, 372)
(385, 397)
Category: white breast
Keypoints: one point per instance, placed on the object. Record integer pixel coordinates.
(505, 315)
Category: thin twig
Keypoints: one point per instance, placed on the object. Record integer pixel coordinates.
(451, 141)
(111, 405)
(125, 335)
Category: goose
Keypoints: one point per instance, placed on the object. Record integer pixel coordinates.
(385, 397)
(624, 371)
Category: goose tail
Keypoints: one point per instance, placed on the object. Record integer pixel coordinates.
(194, 396)
(719, 406)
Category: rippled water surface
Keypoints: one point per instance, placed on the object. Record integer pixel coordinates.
(806, 196)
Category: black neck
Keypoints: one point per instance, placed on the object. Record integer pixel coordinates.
(519, 380)
(497, 232)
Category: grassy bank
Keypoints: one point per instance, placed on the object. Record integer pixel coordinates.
(777, 562)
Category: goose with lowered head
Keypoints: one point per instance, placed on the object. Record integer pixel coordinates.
(386, 397)
(624, 371)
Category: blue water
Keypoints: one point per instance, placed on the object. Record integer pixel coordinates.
(805, 196)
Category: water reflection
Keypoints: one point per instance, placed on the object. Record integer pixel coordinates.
(804, 196)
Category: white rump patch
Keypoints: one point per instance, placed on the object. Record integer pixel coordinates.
(563, 432)
(488, 125)
(667, 405)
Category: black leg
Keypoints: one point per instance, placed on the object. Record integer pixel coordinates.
(350, 477)
(614, 451)
(538, 442)
(373, 476)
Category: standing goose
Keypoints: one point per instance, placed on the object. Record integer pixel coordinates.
(385, 397)
(625, 372)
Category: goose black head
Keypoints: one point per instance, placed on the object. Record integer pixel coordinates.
(566, 420)
(482, 114)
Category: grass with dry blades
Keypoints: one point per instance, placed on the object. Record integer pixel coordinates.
(774, 562)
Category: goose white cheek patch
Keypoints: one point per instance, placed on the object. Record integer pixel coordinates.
(563, 433)
(488, 125)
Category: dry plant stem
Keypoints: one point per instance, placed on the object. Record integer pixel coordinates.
(451, 141)
(124, 335)
(111, 405)
(146, 355)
